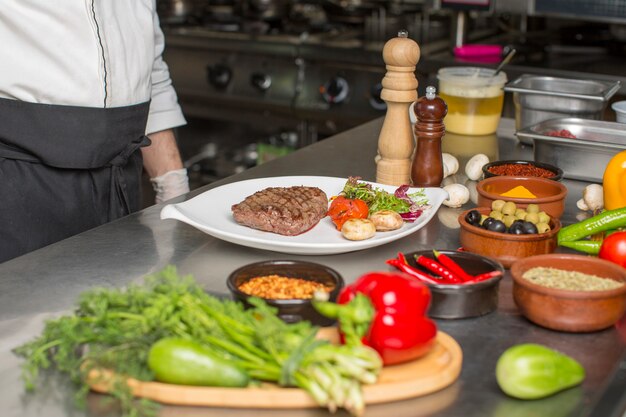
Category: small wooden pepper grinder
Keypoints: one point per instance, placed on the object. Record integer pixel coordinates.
(395, 142)
(427, 168)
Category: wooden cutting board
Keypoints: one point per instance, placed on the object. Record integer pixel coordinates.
(435, 371)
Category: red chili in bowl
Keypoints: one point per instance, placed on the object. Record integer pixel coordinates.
(521, 170)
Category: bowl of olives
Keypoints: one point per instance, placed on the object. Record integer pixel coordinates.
(506, 233)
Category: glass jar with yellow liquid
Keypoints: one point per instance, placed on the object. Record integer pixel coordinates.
(474, 96)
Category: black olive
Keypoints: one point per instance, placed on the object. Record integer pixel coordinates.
(473, 217)
(497, 226)
(487, 222)
(529, 228)
(517, 228)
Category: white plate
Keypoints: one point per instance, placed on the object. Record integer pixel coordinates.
(211, 213)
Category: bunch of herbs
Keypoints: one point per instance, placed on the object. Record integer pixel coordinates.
(114, 329)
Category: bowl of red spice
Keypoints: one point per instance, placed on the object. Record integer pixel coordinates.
(522, 168)
(547, 194)
(287, 285)
(570, 293)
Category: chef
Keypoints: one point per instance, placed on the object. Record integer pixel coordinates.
(86, 102)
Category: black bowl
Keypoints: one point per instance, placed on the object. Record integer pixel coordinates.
(558, 172)
(456, 301)
(291, 310)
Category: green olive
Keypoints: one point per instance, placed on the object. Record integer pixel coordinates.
(496, 215)
(544, 217)
(497, 205)
(532, 217)
(482, 218)
(532, 208)
(509, 208)
(542, 227)
(508, 220)
(520, 214)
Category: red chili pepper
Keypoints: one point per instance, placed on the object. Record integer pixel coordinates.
(483, 277)
(449, 263)
(400, 330)
(415, 273)
(436, 268)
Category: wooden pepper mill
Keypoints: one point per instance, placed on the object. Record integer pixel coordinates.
(427, 168)
(395, 142)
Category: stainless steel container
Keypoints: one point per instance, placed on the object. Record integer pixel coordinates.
(583, 157)
(458, 301)
(538, 98)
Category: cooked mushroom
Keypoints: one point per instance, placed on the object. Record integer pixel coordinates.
(358, 229)
(386, 220)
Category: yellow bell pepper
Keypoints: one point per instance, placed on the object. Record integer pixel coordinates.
(614, 182)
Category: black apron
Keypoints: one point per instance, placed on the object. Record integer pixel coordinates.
(66, 169)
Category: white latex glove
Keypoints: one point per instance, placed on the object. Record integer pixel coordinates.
(170, 185)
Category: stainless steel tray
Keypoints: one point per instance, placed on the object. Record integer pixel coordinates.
(538, 98)
(583, 158)
(593, 90)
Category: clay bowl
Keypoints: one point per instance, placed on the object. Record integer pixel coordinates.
(550, 194)
(567, 310)
(289, 310)
(504, 247)
(557, 173)
(463, 301)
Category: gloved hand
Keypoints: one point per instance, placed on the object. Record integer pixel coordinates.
(170, 185)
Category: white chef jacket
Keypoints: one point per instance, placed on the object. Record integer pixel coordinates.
(91, 53)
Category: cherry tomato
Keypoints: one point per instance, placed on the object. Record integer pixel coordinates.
(342, 209)
(614, 248)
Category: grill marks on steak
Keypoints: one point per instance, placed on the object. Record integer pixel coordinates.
(286, 211)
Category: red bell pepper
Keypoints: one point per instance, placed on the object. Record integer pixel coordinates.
(399, 330)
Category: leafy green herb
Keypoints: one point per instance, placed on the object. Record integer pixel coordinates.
(411, 205)
(375, 198)
(115, 328)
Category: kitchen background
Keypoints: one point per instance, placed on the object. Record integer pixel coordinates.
(259, 78)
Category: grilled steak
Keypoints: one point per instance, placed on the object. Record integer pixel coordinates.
(284, 210)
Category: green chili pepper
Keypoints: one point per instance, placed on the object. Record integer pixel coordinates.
(607, 220)
(591, 247)
(531, 371)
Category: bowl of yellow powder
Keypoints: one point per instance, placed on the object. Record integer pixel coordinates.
(549, 195)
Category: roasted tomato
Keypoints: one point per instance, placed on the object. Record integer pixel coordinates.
(342, 209)
(614, 248)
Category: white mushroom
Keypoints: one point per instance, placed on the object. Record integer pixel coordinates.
(458, 194)
(386, 220)
(593, 198)
(358, 229)
(474, 167)
(450, 164)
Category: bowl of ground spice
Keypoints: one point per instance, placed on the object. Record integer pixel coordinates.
(287, 285)
(570, 293)
(547, 194)
(522, 168)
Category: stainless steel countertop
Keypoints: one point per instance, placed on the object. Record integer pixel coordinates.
(46, 283)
